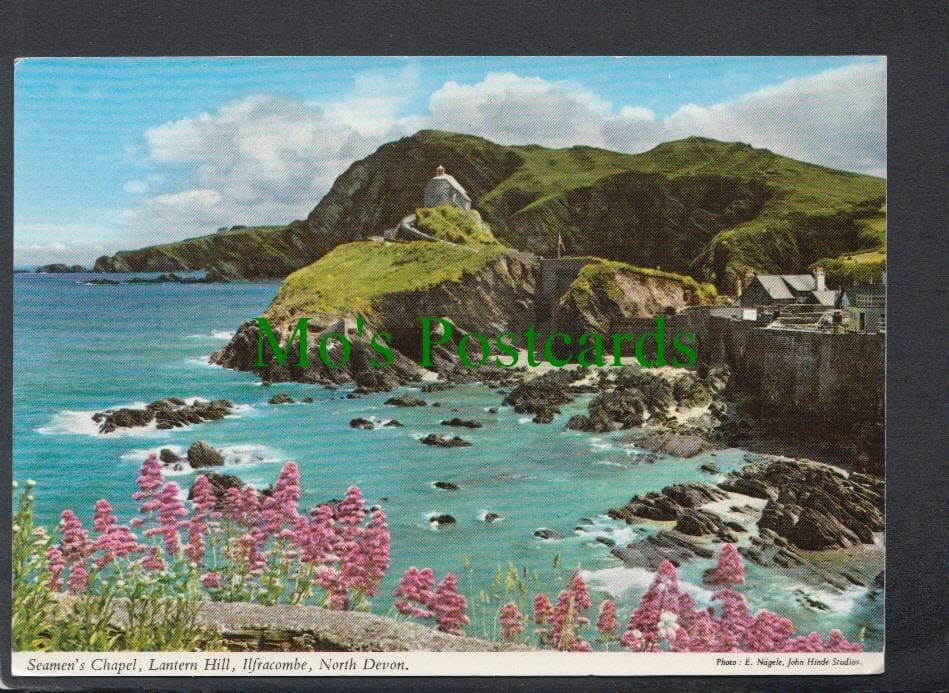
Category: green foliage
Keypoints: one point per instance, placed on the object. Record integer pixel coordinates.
(351, 277)
(854, 268)
(599, 276)
(32, 598)
(462, 226)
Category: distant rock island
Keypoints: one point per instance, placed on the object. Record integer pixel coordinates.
(60, 268)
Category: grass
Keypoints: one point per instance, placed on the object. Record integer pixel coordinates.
(449, 223)
(599, 276)
(351, 277)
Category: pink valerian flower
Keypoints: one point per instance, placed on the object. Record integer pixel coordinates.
(203, 498)
(241, 505)
(836, 642)
(375, 548)
(170, 509)
(194, 549)
(316, 537)
(78, 577)
(768, 632)
(118, 541)
(332, 583)
(449, 606)
(805, 643)
(542, 609)
(149, 481)
(211, 580)
(152, 561)
(565, 621)
(580, 592)
(56, 565)
(350, 513)
(730, 569)
(578, 644)
(662, 595)
(734, 622)
(606, 620)
(75, 542)
(703, 632)
(415, 586)
(511, 621)
(279, 509)
(103, 519)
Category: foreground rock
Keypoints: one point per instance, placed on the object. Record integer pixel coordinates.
(168, 413)
(444, 441)
(679, 503)
(812, 506)
(364, 424)
(281, 398)
(201, 454)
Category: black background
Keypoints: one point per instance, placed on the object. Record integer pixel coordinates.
(912, 34)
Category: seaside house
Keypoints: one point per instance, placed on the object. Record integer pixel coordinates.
(787, 289)
(865, 305)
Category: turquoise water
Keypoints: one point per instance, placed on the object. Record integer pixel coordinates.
(81, 348)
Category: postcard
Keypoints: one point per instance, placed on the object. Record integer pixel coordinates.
(403, 366)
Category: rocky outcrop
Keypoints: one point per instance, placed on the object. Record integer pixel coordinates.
(60, 268)
(679, 503)
(463, 423)
(814, 507)
(406, 401)
(201, 454)
(444, 441)
(167, 413)
(545, 394)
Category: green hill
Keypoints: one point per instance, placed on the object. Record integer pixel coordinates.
(697, 206)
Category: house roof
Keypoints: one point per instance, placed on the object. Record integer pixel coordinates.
(799, 282)
(453, 183)
(775, 286)
(825, 298)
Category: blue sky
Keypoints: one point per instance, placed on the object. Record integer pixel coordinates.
(119, 153)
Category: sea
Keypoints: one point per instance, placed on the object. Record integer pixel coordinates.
(80, 348)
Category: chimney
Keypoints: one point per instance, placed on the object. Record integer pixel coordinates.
(819, 284)
(440, 171)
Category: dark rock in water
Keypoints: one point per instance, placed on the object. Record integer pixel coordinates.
(581, 530)
(406, 401)
(544, 416)
(734, 526)
(709, 468)
(167, 413)
(676, 444)
(443, 519)
(446, 485)
(464, 423)
(352, 395)
(436, 404)
(167, 456)
(606, 541)
(585, 521)
(201, 454)
(281, 398)
(365, 424)
(331, 388)
(491, 517)
(265, 383)
(444, 441)
(493, 410)
(393, 423)
(652, 550)
(308, 400)
(668, 504)
(102, 282)
(220, 483)
(698, 522)
(545, 392)
(813, 506)
(544, 533)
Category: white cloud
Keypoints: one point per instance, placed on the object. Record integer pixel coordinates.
(510, 109)
(265, 158)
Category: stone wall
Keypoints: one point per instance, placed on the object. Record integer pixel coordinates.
(831, 379)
